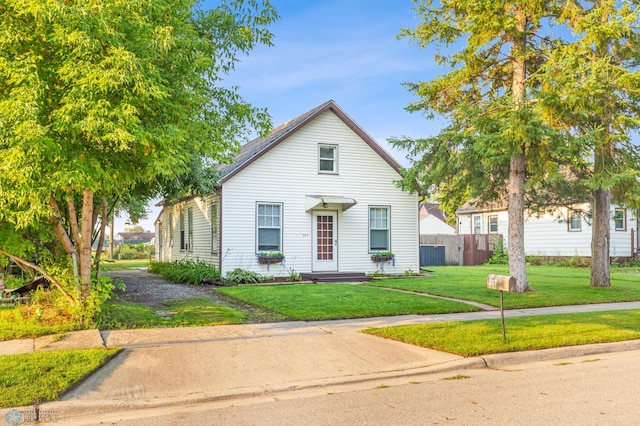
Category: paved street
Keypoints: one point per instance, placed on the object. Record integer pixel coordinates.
(591, 390)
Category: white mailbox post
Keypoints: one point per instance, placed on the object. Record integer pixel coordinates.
(502, 283)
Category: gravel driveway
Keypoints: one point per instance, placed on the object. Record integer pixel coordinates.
(151, 290)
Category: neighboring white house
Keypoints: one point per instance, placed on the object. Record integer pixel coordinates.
(318, 189)
(433, 221)
(565, 232)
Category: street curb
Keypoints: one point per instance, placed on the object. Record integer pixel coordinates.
(59, 410)
(74, 409)
(498, 360)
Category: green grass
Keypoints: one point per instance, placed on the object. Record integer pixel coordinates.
(14, 326)
(339, 301)
(119, 265)
(119, 314)
(554, 286)
(43, 376)
(473, 338)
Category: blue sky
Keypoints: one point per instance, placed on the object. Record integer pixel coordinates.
(345, 50)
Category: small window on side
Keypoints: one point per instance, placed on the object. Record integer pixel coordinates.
(620, 220)
(575, 221)
(327, 159)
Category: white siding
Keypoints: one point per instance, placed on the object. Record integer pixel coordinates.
(549, 235)
(288, 173)
(201, 246)
(431, 225)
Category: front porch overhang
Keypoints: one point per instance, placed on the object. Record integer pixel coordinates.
(328, 201)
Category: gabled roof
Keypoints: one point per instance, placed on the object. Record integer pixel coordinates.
(256, 148)
(434, 210)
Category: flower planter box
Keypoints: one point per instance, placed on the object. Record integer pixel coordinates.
(268, 259)
(377, 258)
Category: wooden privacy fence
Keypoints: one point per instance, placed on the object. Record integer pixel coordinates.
(478, 248)
(468, 249)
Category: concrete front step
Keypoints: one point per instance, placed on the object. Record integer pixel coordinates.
(335, 277)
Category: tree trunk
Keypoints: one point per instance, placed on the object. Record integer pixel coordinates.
(517, 262)
(600, 234)
(101, 235)
(85, 242)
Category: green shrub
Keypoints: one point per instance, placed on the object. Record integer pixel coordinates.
(134, 251)
(185, 271)
(241, 276)
(500, 255)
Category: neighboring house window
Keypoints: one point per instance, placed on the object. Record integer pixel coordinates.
(493, 224)
(269, 229)
(183, 241)
(214, 227)
(190, 228)
(379, 229)
(477, 224)
(620, 220)
(327, 158)
(575, 221)
(170, 229)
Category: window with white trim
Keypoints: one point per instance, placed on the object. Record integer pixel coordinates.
(620, 219)
(190, 228)
(493, 224)
(327, 158)
(170, 229)
(477, 224)
(268, 227)
(379, 235)
(183, 240)
(214, 227)
(575, 221)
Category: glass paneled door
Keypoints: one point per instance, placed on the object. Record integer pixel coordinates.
(325, 241)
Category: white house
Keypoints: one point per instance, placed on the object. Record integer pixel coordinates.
(565, 232)
(318, 189)
(433, 221)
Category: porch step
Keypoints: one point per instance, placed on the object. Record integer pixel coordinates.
(335, 277)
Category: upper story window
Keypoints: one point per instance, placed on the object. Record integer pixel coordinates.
(575, 221)
(327, 158)
(620, 220)
(493, 224)
(379, 238)
(269, 227)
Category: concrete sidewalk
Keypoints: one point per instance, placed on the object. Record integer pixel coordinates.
(164, 367)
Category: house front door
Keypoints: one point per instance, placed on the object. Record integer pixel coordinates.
(325, 241)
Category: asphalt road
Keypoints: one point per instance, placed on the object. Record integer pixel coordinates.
(592, 390)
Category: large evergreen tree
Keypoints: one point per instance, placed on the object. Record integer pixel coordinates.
(591, 87)
(495, 136)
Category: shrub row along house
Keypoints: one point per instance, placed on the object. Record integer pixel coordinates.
(317, 195)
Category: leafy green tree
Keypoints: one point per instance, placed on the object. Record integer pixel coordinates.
(591, 89)
(102, 98)
(495, 137)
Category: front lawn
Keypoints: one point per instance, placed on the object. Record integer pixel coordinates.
(554, 286)
(43, 376)
(119, 314)
(474, 338)
(340, 301)
(120, 265)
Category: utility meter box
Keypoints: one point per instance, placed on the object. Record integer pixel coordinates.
(501, 282)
